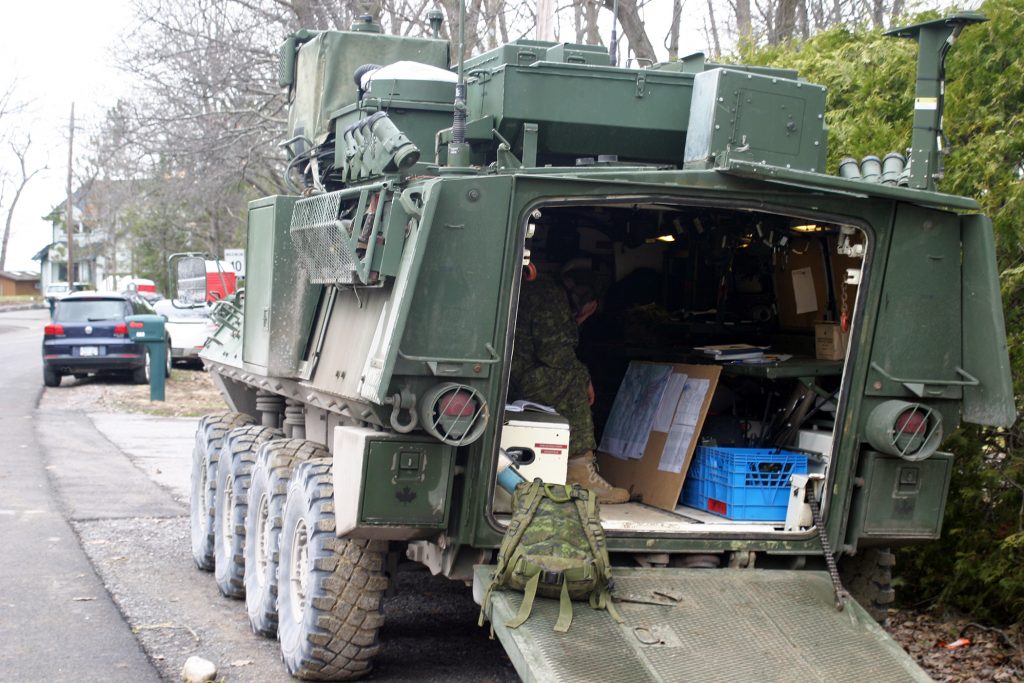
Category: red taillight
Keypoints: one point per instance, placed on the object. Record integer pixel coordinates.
(53, 330)
(911, 422)
(459, 404)
(136, 325)
(120, 330)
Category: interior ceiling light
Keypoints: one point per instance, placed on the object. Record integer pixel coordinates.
(667, 238)
(810, 227)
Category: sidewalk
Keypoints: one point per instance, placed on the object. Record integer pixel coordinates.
(159, 446)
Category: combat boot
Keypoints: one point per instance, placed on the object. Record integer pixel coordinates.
(583, 471)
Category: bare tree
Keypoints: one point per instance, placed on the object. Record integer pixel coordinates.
(24, 177)
(633, 28)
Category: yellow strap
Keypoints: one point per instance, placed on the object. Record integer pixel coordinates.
(564, 610)
(529, 593)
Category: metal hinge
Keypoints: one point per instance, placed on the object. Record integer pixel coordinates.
(641, 84)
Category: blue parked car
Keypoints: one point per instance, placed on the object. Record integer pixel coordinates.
(89, 334)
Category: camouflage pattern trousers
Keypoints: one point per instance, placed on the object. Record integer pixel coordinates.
(566, 391)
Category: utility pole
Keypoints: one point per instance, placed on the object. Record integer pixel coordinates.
(69, 218)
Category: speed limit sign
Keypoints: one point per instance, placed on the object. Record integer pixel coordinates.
(236, 257)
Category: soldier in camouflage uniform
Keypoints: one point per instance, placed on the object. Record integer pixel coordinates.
(545, 369)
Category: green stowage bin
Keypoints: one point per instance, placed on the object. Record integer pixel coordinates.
(639, 115)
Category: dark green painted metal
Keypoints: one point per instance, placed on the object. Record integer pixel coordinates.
(279, 303)
(407, 483)
(585, 110)
(901, 499)
(523, 52)
(467, 247)
(918, 333)
(934, 40)
(802, 180)
(986, 355)
(762, 119)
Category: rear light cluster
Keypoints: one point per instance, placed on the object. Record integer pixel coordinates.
(912, 431)
(120, 330)
(52, 330)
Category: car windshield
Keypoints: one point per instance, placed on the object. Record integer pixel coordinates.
(89, 310)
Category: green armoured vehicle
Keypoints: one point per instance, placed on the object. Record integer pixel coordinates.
(366, 366)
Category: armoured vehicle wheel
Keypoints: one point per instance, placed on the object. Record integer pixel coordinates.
(51, 378)
(234, 468)
(331, 589)
(868, 577)
(268, 489)
(209, 433)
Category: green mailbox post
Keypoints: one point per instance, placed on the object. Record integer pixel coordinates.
(149, 330)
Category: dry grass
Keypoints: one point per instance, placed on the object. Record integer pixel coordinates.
(188, 393)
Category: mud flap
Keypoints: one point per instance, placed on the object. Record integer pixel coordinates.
(720, 625)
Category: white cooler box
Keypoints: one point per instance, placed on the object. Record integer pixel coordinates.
(547, 435)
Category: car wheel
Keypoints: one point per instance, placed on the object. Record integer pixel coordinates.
(51, 378)
(169, 362)
(231, 500)
(141, 375)
(330, 589)
(268, 489)
(205, 454)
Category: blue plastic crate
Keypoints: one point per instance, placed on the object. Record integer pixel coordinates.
(749, 484)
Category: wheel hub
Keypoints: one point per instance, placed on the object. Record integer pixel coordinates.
(299, 584)
(262, 540)
(226, 522)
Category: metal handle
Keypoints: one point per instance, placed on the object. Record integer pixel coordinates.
(917, 386)
(970, 382)
(433, 359)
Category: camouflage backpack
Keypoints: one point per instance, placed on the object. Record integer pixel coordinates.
(554, 546)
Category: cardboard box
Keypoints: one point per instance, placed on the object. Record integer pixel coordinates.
(656, 477)
(830, 341)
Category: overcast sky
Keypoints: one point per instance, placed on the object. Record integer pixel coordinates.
(58, 51)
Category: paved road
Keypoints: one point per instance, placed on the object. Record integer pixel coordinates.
(97, 582)
(57, 621)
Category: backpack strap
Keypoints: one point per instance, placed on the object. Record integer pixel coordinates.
(564, 609)
(534, 493)
(590, 518)
(529, 593)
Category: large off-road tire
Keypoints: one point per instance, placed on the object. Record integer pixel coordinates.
(330, 589)
(51, 378)
(209, 433)
(868, 577)
(268, 488)
(231, 495)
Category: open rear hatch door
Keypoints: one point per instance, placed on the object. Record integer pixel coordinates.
(728, 625)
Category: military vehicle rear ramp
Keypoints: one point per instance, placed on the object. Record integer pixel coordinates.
(725, 626)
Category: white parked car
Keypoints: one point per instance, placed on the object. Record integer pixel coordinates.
(188, 328)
